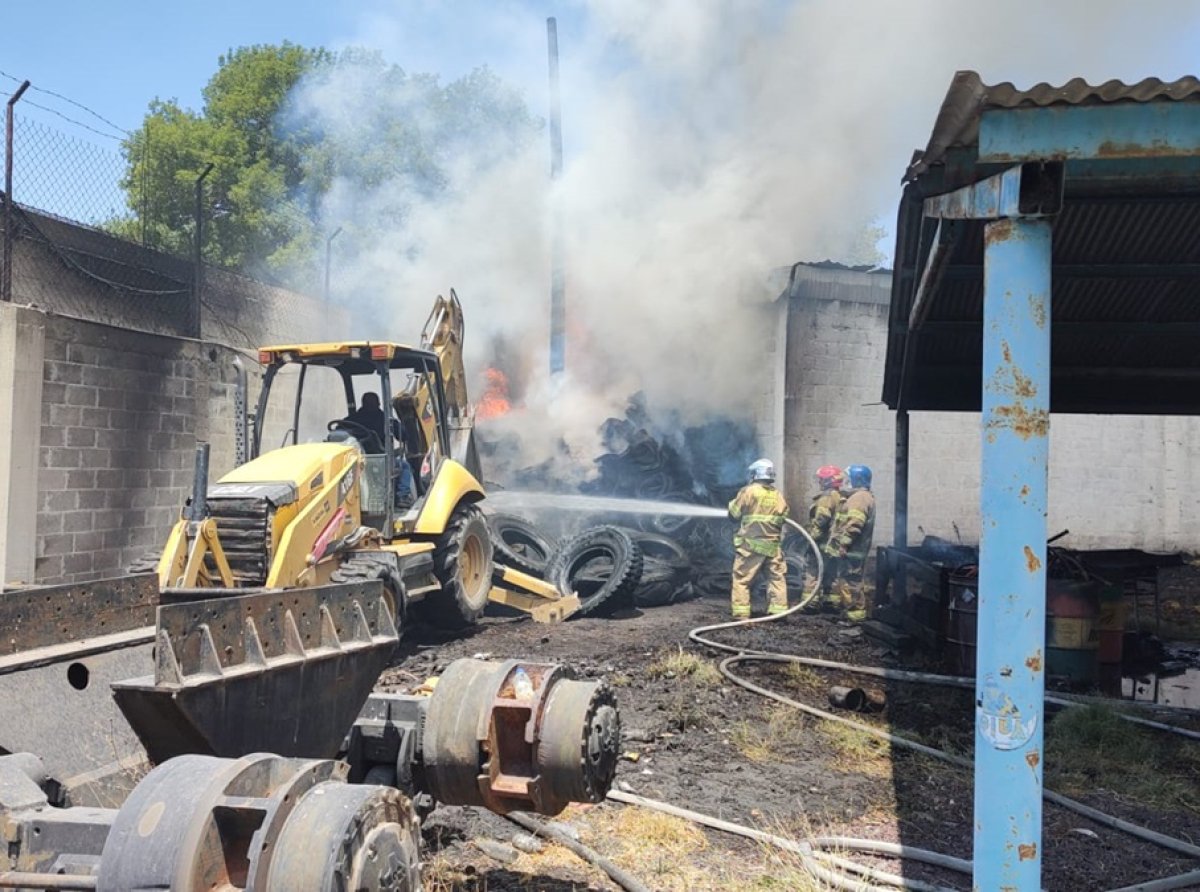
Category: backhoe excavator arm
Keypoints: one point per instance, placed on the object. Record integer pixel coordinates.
(443, 336)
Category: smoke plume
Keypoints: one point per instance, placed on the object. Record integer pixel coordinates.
(707, 143)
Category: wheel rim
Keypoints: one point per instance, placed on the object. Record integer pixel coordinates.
(472, 564)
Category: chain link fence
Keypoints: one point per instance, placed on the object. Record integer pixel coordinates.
(78, 248)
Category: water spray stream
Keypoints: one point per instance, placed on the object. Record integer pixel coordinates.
(510, 500)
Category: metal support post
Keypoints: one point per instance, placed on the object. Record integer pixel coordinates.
(558, 299)
(1010, 678)
(329, 259)
(900, 514)
(195, 325)
(6, 281)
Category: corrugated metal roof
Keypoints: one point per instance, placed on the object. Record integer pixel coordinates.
(1125, 306)
(958, 120)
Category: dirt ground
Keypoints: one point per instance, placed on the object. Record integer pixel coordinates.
(702, 743)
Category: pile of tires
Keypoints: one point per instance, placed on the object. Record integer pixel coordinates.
(609, 567)
(520, 544)
(666, 573)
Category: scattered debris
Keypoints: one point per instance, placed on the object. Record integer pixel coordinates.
(497, 851)
(569, 830)
(527, 843)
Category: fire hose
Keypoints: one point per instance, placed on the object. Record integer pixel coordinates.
(821, 864)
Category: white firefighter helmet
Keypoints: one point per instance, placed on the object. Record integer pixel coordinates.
(762, 471)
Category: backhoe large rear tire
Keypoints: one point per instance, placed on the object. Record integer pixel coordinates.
(462, 562)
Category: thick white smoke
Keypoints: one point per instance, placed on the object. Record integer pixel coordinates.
(708, 142)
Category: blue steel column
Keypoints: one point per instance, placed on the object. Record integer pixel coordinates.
(1010, 682)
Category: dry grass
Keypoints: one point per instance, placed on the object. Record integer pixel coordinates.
(682, 712)
(664, 852)
(438, 874)
(858, 751)
(683, 664)
(772, 742)
(1090, 748)
(804, 677)
(555, 860)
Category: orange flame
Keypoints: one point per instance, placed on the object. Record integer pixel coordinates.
(494, 401)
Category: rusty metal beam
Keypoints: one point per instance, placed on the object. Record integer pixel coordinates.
(1031, 189)
(1113, 131)
(51, 615)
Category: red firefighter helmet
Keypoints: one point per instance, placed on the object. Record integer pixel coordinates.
(830, 477)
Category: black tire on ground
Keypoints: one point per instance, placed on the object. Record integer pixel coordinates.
(662, 548)
(660, 581)
(519, 544)
(585, 551)
(362, 566)
(462, 562)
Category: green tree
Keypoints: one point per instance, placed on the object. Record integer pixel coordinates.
(255, 167)
(282, 126)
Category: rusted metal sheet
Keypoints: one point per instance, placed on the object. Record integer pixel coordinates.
(50, 615)
(282, 671)
(958, 120)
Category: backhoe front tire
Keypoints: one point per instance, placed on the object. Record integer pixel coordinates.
(462, 562)
(362, 566)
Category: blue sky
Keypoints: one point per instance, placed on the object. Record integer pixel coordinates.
(116, 56)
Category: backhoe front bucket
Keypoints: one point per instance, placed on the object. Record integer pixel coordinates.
(284, 672)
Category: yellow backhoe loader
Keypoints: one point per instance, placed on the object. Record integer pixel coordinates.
(391, 493)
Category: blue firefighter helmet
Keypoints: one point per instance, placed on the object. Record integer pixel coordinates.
(859, 476)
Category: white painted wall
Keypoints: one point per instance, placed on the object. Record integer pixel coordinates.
(1115, 481)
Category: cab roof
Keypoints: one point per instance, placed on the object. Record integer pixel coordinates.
(356, 357)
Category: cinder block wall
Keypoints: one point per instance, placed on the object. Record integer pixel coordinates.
(102, 406)
(1115, 481)
(121, 415)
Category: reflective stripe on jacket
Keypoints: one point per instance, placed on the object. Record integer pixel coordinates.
(855, 525)
(761, 509)
(825, 507)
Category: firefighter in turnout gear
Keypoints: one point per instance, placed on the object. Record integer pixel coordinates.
(850, 540)
(760, 511)
(826, 505)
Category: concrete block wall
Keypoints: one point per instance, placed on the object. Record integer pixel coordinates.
(121, 415)
(832, 411)
(1115, 481)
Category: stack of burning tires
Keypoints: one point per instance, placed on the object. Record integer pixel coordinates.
(610, 567)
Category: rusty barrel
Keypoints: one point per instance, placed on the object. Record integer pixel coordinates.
(962, 622)
(1072, 628)
(1111, 625)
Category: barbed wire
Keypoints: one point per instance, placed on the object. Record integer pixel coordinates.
(87, 245)
(95, 114)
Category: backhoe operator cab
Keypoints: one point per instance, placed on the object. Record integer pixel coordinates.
(401, 455)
